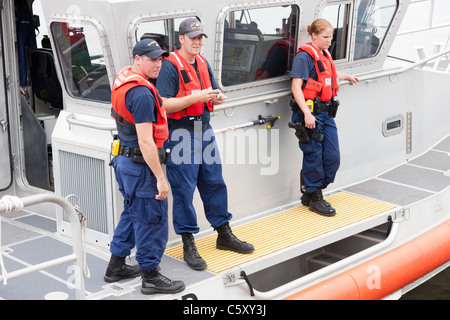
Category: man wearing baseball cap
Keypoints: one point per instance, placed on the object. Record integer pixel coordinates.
(142, 130)
(190, 92)
(192, 28)
(149, 48)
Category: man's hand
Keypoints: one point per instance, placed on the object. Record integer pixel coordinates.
(207, 95)
(219, 99)
(163, 189)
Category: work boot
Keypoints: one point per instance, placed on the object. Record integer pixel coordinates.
(319, 205)
(190, 253)
(226, 240)
(154, 282)
(306, 199)
(118, 270)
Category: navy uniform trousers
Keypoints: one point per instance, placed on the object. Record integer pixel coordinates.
(321, 160)
(144, 220)
(195, 162)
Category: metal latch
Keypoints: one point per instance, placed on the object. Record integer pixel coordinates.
(4, 124)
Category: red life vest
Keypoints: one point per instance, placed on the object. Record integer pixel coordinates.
(189, 82)
(125, 80)
(327, 85)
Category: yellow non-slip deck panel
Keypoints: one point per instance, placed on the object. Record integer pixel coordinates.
(284, 229)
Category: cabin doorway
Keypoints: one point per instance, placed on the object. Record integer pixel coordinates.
(5, 154)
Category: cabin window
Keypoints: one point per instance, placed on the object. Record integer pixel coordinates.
(339, 16)
(82, 61)
(373, 20)
(165, 32)
(258, 44)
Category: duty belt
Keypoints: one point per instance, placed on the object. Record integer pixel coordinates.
(134, 153)
(189, 128)
(329, 106)
(323, 105)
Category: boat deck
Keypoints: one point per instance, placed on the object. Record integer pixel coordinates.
(284, 229)
(29, 239)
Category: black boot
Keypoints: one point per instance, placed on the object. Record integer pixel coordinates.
(190, 253)
(306, 199)
(320, 206)
(117, 270)
(154, 282)
(226, 240)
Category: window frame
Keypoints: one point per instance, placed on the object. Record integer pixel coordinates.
(104, 44)
(220, 33)
(348, 46)
(351, 45)
(157, 16)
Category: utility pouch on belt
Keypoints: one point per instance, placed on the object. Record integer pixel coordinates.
(293, 104)
(332, 111)
(136, 155)
(317, 106)
(163, 155)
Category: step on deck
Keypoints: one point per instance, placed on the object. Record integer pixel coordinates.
(284, 229)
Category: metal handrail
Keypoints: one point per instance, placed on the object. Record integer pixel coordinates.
(332, 269)
(401, 70)
(71, 120)
(268, 98)
(78, 256)
(238, 102)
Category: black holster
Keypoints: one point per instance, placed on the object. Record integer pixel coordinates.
(163, 155)
(303, 134)
(332, 111)
(300, 132)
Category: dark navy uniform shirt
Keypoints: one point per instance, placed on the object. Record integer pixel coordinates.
(303, 67)
(141, 104)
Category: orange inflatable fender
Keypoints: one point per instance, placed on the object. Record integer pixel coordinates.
(387, 273)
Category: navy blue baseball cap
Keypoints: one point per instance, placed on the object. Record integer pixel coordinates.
(150, 48)
(192, 28)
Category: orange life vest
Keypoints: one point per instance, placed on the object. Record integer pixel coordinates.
(125, 80)
(327, 85)
(190, 82)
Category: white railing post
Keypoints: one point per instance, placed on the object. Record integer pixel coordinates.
(78, 255)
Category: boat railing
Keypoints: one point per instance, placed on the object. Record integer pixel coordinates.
(271, 97)
(331, 269)
(13, 203)
(71, 120)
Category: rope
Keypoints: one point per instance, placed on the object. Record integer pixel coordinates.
(12, 203)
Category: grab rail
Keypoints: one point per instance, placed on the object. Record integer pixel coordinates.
(312, 277)
(268, 98)
(71, 120)
(78, 251)
(238, 102)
